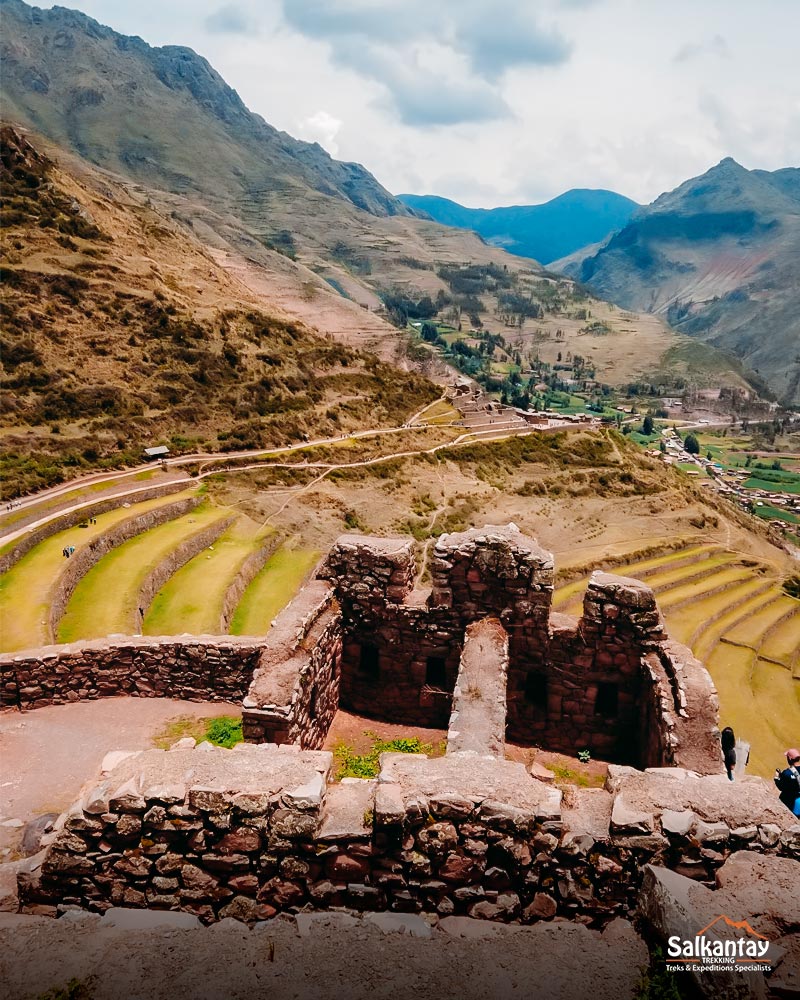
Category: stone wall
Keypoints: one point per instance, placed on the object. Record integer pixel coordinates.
(75, 517)
(211, 668)
(295, 690)
(248, 832)
(478, 720)
(611, 682)
(83, 560)
(245, 575)
(170, 564)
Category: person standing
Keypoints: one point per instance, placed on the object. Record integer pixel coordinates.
(788, 781)
(728, 741)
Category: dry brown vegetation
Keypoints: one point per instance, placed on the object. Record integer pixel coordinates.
(105, 350)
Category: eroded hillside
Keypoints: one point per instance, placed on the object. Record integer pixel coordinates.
(119, 331)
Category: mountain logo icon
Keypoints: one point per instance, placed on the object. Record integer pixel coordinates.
(739, 925)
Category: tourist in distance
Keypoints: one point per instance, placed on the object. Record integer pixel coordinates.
(788, 781)
(728, 741)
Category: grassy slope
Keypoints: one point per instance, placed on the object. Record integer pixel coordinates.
(25, 589)
(104, 602)
(272, 589)
(759, 699)
(191, 600)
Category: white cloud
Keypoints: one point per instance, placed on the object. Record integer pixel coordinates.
(322, 128)
(505, 102)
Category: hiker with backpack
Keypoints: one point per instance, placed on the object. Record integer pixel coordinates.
(728, 741)
(788, 781)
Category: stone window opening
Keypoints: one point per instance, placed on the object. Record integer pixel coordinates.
(536, 689)
(606, 702)
(312, 703)
(369, 665)
(436, 673)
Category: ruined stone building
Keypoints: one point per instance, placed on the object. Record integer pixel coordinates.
(263, 828)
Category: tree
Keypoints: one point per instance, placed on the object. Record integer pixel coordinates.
(691, 444)
(647, 425)
(429, 332)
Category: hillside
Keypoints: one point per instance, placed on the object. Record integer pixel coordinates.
(719, 258)
(544, 232)
(316, 236)
(297, 234)
(119, 332)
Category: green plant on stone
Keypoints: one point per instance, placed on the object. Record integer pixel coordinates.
(225, 731)
(367, 765)
(584, 756)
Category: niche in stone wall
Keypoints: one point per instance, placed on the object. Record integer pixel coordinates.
(369, 662)
(436, 672)
(606, 703)
(536, 690)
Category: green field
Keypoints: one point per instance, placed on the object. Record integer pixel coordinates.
(708, 596)
(25, 588)
(192, 599)
(272, 589)
(104, 602)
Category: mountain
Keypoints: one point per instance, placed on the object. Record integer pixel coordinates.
(719, 258)
(296, 234)
(544, 232)
(319, 238)
(162, 115)
(120, 330)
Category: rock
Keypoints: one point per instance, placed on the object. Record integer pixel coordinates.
(628, 821)
(541, 773)
(399, 923)
(542, 907)
(676, 906)
(145, 920)
(677, 823)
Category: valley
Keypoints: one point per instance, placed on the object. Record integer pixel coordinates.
(284, 455)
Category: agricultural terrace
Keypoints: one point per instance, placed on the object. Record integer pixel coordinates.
(733, 613)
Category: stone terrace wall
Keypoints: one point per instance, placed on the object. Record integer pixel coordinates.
(247, 572)
(247, 832)
(83, 560)
(210, 668)
(73, 518)
(171, 563)
(295, 690)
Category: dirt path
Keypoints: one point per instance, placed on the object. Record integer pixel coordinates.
(49, 754)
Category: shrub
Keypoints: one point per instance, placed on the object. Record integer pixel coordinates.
(367, 765)
(225, 731)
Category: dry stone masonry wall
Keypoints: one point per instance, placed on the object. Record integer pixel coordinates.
(83, 560)
(261, 829)
(249, 832)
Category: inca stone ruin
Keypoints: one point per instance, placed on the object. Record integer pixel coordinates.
(262, 828)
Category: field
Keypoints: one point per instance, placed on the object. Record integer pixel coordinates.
(272, 589)
(191, 601)
(25, 589)
(105, 600)
(735, 617)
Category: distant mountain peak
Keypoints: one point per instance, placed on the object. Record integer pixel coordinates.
(544, 232)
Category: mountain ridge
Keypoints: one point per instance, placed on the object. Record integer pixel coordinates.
(544, 232)
(719, 258)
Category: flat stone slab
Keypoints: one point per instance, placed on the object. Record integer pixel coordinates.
(263, 769)
(473, 778)
(589, 812)
(712, 798)
(347, 810)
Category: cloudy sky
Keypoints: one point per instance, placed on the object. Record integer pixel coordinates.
(495, 102)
